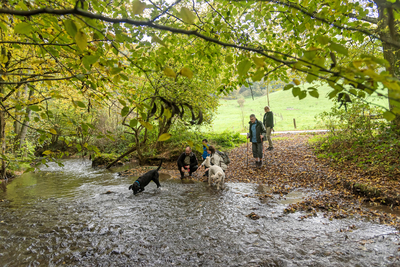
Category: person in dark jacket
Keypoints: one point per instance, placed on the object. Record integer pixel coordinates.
(256, 131)
(268, 122)
(187, 161)
(205, 148)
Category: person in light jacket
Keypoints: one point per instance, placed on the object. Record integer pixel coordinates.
(215, 159)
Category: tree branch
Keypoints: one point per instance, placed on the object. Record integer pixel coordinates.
(39, 80)
(165, 10)
(190, 32)
(367, 19)
(43, 44)
(314, 15)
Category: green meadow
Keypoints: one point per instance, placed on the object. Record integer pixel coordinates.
(285, 108)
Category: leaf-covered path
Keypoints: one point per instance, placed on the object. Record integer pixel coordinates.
(338, 192)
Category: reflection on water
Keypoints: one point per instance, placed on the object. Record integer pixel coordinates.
(65, 216)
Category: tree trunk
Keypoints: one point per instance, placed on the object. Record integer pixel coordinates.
(20, 138)
(17, 125)
(163, 127)
(3, 143)
(392, 55)
(120, 157)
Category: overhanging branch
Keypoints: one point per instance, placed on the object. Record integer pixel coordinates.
(39, 80)
(149, 24)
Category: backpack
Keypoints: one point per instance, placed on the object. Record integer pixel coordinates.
(224, 156)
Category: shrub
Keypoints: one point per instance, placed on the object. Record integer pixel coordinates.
(358, 138)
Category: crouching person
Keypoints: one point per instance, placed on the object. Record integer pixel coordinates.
(215, 168)
(214, 159)
(187, 162)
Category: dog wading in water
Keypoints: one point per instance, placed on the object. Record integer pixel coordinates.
(215, 173)
(142, 181)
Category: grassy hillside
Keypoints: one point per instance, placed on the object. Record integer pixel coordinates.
(284, 106)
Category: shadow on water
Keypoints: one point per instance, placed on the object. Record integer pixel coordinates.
(77, 215)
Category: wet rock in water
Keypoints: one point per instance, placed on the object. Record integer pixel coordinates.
(108, 192)
(253, 216)
(127, 173)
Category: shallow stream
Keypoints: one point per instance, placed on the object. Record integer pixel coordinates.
(79, 216)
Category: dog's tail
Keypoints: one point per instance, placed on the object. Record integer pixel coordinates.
(159, 166)
(130, 187)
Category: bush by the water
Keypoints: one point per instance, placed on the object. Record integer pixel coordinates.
(360, 137)
(222, 141)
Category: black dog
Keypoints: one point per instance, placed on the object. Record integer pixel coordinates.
(142, 181)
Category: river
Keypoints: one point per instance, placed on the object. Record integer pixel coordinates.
(79, 216)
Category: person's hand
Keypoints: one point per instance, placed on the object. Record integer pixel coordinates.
(206, 169)
(183, 169)
(261, 136)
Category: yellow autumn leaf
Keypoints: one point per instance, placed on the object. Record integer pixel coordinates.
(164, 137)
(81, 40)
(47, 152)
(259, 61)
(296, 82)
(155, 39)
(167, 113)
(138, 7)
(186, 72)
(357, 63)
(147, 125)
(169, 72)
(53, 131)
(187, 15)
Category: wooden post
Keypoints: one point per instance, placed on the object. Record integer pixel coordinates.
(294, 122)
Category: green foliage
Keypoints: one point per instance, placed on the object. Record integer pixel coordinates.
(225, 140)
(357, 137)
(359, 121)
(98, 56)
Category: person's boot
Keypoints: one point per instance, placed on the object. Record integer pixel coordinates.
(260, 164)
(257, 164)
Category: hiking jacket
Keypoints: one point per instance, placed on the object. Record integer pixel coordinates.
(216, 159)
(193, 160)
(205, 153)
(268, 120)
(259, 130)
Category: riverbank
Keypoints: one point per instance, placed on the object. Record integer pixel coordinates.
(340, 192)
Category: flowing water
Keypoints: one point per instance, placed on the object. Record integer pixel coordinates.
(79, 216)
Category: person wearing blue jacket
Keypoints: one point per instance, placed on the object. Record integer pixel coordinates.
(205, 148)
(256, 131)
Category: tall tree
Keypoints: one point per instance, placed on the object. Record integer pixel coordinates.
(265, 38)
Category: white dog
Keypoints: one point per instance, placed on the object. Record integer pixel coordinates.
(219, 178)
(215, 173)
